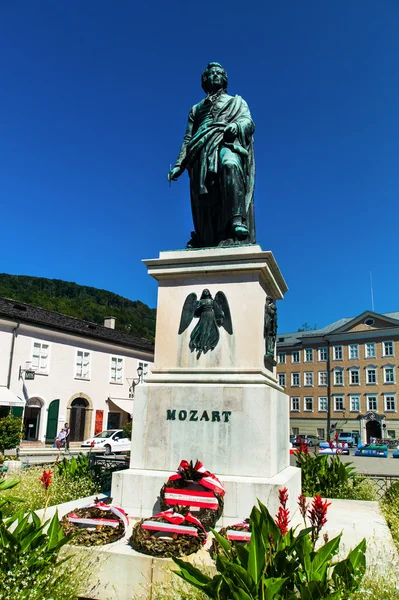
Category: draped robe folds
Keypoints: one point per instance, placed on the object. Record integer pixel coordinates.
(214, 204)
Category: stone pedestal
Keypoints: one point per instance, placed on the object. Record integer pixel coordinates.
(224, 408)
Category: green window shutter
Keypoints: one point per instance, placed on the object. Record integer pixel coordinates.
(17, 411)
(52, 421)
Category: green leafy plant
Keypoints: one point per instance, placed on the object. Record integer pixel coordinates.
(75, 467)
(63, 489)
(7, 484)
(390, 509)
(280, 564)
(326, 475)
(127, 429)
(10, 432)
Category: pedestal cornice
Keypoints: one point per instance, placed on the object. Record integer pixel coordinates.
(188, 263)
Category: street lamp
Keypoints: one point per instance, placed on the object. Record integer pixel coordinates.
(136, 381)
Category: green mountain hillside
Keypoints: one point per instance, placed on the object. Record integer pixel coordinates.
(80, 301)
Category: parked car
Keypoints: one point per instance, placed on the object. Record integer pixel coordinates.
(348, 437)
(112, 440)
(309, 440)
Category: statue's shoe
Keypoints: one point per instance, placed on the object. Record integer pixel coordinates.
(241, 232)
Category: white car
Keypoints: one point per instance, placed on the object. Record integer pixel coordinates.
(112, 440)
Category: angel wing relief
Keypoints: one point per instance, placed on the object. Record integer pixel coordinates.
(212, 314)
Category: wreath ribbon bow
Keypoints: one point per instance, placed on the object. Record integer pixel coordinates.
(207, 479)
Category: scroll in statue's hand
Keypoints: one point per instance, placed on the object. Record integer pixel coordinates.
(175, 173)
(230, 133)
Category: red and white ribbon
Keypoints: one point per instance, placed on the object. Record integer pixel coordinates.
(239, 536)
(90, 522)
(208, 480)
(169, 528)
(192, 498)
(175, 519)
(116, 511)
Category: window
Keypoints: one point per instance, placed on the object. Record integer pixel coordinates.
(114, 420)
(371, 375)
(295, 356)
(295, 431)
(338, 377)
(323, 378)
(353, 351)
(82, 368)
(338, 403)
(308, 378)
(389, 374)
(281, 379)
(323, 355)
(295, 379)
(372, 402)
(369, 350)
(354, 403)
(323, 403)
(390, 402)
(116, 370)
(320, 434)
(40, 357)
(281, 358)
(337, 352)
(308, 354)
(308, 402)
(295, 404)
(391, 433)
(369, 322)
(144, 366)
(387, 348)
(354, 376)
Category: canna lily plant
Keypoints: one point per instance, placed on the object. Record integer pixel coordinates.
(280, 563)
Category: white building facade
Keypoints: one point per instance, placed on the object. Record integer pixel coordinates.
(84, 373)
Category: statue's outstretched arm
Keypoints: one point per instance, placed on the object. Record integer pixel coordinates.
(179, 167)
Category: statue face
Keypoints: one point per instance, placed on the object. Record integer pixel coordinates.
(214, 79)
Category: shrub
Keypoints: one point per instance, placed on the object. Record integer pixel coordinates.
(280, 564)
(390, 509)
(127, 429)
(327, 475)
(63, 489)
(58, 581)
(10, 432)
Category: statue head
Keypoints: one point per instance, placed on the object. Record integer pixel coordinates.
(206, 294)
(214, 78)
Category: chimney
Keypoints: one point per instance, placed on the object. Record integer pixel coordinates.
(109, 322)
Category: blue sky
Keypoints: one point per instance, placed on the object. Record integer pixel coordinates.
(93, 106)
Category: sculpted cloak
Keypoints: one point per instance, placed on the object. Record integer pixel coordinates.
(222, 173)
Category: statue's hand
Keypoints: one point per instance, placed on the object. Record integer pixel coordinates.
(175, 173)
(230, 133)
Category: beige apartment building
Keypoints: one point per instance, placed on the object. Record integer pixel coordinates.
(343, 377)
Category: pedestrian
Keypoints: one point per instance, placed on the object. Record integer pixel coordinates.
(60, 439)
(67, 435)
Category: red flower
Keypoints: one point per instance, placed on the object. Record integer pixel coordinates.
(331, 444)
(303, 448)
(283, 497)
(283, 519)
(318, 515)
(336, 436)
(46, 479)
(92, 444)
(303, 507)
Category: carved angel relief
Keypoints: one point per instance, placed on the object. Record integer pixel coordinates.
(212, 314)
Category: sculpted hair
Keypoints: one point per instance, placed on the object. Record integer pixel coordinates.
(204, 77)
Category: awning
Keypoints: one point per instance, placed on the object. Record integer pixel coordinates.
(8, 398)
(125, 404)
